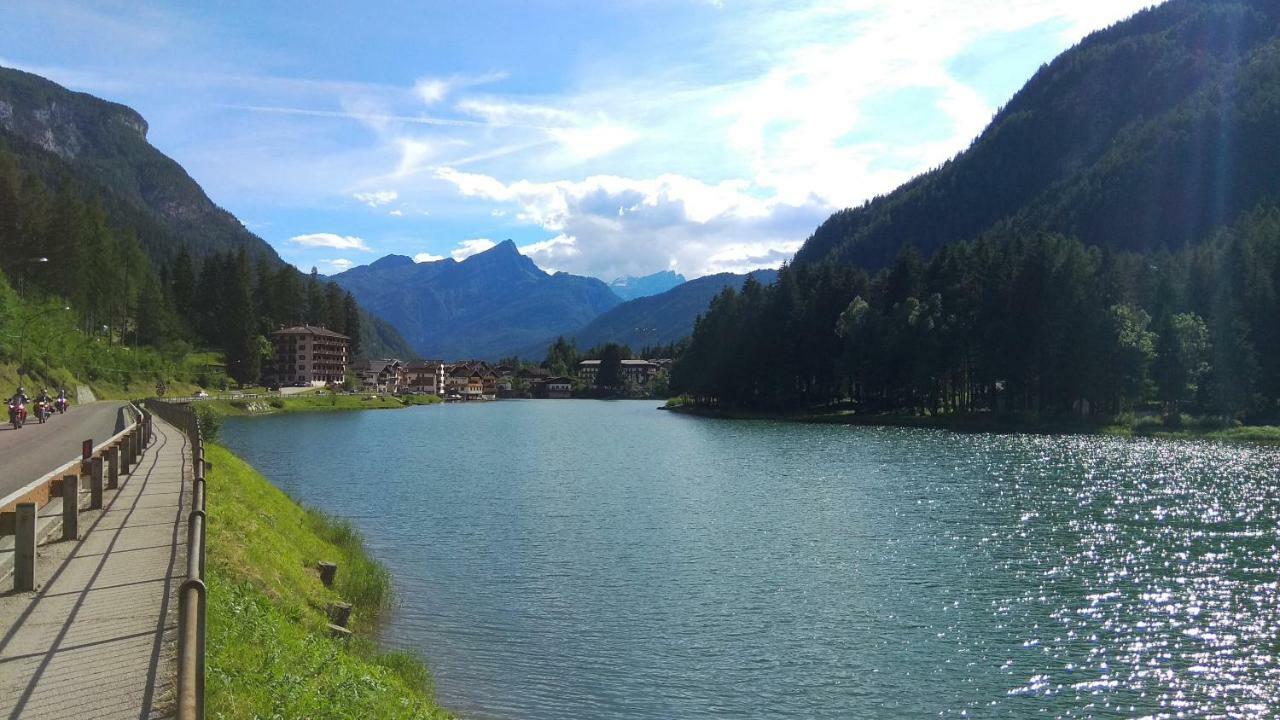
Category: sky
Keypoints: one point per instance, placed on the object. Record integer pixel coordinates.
(604, 138)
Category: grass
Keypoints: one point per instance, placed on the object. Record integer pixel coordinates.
(53, 378)
(269, 651)
(317, 402)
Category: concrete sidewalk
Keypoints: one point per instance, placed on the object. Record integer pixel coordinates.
(98, 638)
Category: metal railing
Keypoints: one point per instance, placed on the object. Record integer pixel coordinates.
(101, 464)
(192, 593)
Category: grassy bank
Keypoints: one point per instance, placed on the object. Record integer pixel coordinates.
(988, 422)
(315, 402)
(269, 651)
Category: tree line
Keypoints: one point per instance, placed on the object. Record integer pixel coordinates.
(1035, 324)
(61, 243)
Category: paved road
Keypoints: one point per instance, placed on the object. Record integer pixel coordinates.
(98, 638)
(36, 449)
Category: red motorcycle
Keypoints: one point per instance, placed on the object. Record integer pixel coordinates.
(43, 410)
(17, 414)
(60, 405)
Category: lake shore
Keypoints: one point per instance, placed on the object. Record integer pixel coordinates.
(989, 423)
(314, 402)
(271, 649)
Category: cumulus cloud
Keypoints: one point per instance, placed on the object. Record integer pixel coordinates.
(331, 240)
(338, 264)
(427, 257)
(610, 226)
(377, 198)
(467, 248)
(396, 213)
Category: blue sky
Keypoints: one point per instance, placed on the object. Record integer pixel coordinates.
(606, 139)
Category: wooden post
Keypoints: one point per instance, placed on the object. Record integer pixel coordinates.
(95, 483)
(125, 460)
(70, 507)
(113, 467)
(327, 572)
(24, 561)
(340, 614)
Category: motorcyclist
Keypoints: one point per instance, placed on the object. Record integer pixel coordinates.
(20, 397)
(43, 397)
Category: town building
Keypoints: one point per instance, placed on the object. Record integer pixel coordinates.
(379, 375)
(634, 372)
(308, 355)
(424, 377)
(558, 388)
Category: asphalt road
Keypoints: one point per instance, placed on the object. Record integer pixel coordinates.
(36, 449)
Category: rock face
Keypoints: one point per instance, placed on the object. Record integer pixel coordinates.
(490, 305)
(55, 131)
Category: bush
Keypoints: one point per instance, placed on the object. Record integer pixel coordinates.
(210, 421)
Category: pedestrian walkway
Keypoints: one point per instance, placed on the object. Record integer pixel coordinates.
(97, 639)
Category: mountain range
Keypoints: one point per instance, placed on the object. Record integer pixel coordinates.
(98, 150)
(488, 305)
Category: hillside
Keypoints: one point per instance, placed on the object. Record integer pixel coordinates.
(77, 177)
(1109, 246)
(657, 319)
(491, 304)
(1149, 134)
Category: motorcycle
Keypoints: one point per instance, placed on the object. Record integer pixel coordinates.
(17, 414)
(43, 411)
(60, 405)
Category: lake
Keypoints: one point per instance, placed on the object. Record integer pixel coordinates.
(586, 559)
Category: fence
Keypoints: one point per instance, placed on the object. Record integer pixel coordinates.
(192, 593)
(101, 465)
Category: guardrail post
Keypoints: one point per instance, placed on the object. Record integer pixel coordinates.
(95, 483)
(124, 455)
(70, 507)
(135, 445)
(24, 546)
(113, 467)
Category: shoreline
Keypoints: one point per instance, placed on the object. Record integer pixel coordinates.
(987, 423)
(272, 650)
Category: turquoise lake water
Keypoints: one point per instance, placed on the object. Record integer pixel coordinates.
(585, 559)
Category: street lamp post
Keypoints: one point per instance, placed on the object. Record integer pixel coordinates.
(22, 276)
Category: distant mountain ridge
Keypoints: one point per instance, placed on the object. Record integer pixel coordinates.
(630, 287)
(489, 305)
(1151, 133)
(660, 319)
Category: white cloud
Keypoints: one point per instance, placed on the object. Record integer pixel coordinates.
(610, 226)
(431, 90)
(467, 248)
(377, 198)
(396, 213)
(331, 240)
(338, 264)
(427, 257)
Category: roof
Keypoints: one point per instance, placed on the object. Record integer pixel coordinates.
(374, 366)
(310, 330)
(632, 363)
(559, 381)
(419, 365)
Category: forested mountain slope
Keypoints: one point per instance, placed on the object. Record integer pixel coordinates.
(1151, 133)
(129, 234)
